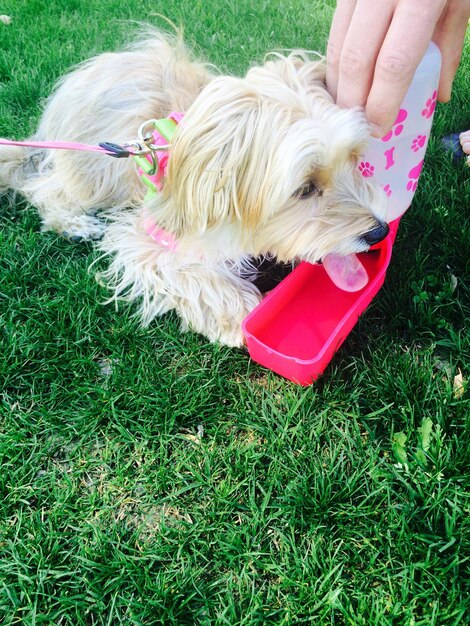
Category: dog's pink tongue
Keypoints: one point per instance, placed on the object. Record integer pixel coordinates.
(347, 272)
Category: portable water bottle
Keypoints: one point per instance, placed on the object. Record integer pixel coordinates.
(396, 160)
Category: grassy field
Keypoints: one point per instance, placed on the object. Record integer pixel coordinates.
(148, 477)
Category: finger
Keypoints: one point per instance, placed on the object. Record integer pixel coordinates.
(338, 30)
(465, 141)
(406, 42)
(449, 36)
(365, 36)
(465, 136)
(466, 147)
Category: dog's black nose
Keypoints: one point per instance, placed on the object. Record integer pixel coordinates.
(376, 234)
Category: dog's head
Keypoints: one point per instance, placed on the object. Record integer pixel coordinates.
(268, 164)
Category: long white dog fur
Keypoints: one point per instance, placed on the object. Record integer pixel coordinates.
(260, 165)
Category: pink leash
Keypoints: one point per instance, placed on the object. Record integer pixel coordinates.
(105, 148)
(147, 165)
(112, 149)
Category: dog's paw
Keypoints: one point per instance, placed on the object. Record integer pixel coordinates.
(228, 329)
(222, 330)
(83, 228)
(233, 337)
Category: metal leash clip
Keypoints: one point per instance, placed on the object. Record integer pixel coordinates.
(127, 149)
(144, 145)
(146, 135)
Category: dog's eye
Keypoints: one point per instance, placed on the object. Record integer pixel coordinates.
(307, 190)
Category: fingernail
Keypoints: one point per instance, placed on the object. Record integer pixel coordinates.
(376, 131)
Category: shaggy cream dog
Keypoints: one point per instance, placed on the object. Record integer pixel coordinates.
(264, 165)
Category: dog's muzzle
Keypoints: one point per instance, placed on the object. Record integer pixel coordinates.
(377, 234)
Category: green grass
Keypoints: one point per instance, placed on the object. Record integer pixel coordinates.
(148, 477)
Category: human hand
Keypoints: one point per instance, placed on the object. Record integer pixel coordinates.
(375, 47)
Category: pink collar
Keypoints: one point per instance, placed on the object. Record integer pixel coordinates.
(152, 169)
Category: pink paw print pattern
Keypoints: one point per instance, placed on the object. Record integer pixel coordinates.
(418, 143)
(390, 161)
(430, 106)
(388, 191)
(413, 176)
(397, 127)
(366, 169)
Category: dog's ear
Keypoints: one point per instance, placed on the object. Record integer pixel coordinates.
(219, 158)
(301, 74)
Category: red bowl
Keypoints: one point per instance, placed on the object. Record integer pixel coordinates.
(300, 324)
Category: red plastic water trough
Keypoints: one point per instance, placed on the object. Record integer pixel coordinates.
(298, 327)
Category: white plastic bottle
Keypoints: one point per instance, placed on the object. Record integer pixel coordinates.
(396, 160)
